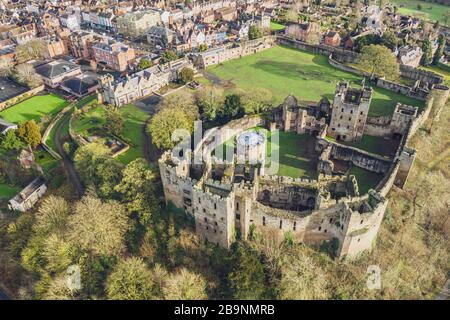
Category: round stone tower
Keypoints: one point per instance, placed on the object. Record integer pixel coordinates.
(251, 147)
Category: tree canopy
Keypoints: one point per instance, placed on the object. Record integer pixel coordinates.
(30, 133)
(165, 123)
(379, 61)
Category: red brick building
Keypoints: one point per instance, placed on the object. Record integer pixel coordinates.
(332, 38)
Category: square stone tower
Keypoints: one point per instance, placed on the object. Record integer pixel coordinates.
(349, 112)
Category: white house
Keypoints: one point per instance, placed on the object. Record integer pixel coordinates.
(28, 197)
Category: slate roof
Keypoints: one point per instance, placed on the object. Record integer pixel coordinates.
(56, 68)
(29, 190)
(10, 89)
(80, 84)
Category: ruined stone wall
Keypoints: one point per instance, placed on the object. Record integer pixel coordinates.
(360, 158)
(340, 55)
(310, 227)
(219, 135)
(214, 217)
(176, 182)
(418, 94)
(419, 74)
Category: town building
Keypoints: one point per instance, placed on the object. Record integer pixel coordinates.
(332, 38)
(53, 73)
(161, 36)
(70, 21)
(114, 55)
(307, 32)
(410, 55)
(143, 83)
(224, 53)
(136, 24)
(81, 85)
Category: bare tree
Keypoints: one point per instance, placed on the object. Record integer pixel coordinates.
(5, 68)
(33, 49)
(26, 74)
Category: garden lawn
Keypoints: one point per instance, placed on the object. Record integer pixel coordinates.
(64, 131)
(308, 76)
(366, 179)
(429, 11)
(34, 108)
(276, 26)
(45, 160)
(133, 132)
(8, 191)
(134, 126)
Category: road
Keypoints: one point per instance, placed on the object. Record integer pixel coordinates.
(148, 105)
(67, 162)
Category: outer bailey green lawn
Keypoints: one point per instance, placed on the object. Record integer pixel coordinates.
(429, 11)
(34, 108)
(308, 76)
(133, 132)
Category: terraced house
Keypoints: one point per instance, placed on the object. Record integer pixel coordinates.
(132, 87)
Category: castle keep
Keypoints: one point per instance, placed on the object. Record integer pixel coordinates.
(349, 114)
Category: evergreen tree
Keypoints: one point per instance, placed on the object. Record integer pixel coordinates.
(440, 50)
(427, 53)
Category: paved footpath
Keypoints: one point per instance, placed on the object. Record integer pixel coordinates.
(67, 162)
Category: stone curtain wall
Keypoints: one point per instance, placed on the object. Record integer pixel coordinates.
(419, 74)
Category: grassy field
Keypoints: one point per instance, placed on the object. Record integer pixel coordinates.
(276, 26)
(429, 11)
(296, 156)
(45, 160)
(134, 122)
(377, 145)
(34, 108)
(308, 76)
(7, 191)
(65, 129)
(366, 179)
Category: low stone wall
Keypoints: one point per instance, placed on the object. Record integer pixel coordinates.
(340, 55)
(26, 95)
(360, 158)
(419, 74)
(344, 67)
(418, 94)
(49, 129)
